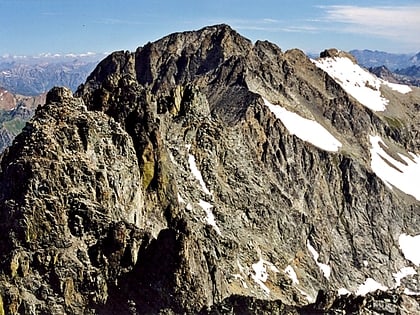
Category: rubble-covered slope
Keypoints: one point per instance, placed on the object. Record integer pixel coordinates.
(204, 173)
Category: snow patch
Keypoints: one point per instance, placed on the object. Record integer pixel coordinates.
(305, 129)
(196, 172)
(209, 215)
(180, 199)
(392, 172)
(410, 247)
(343, 291)
(291, 274)
(404, 272)
(260, 275)
(171, 157)
(410, 292)
(400, 88)
(239, 277)
(309, 298)
(324, 267)
(370, 285)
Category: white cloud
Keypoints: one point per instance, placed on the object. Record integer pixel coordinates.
(267, 25)
(399, 23)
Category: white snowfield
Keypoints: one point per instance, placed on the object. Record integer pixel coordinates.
(305, 129)
(358, 82)
(410, 246)
(405, 177)
(370, 285)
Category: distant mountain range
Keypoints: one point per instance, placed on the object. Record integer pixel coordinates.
(24, 80)
(375, 58)
(35, 75)
(398, 68)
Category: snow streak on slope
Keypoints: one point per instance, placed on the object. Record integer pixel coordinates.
(358, 82)
(324, 267)
(404, 176)
(292, 274)
(196, 172)
(305, 129)
(210, 219)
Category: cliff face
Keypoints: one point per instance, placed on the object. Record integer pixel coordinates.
(182, 179)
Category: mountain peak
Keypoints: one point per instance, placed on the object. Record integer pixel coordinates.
(58, 95)
(202, 174)
(333, 52)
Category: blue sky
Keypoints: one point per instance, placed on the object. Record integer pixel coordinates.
(30, 27)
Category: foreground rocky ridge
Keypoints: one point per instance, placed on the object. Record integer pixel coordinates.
(167, 185)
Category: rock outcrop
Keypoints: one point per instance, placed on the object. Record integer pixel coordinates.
(168, 185)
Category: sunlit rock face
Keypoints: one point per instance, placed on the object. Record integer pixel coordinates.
(207, 174)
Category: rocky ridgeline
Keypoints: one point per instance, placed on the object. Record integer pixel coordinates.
(166, 185)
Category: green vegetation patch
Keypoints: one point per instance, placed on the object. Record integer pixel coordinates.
(394, 122)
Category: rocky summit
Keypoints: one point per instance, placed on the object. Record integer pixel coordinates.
(206, 174)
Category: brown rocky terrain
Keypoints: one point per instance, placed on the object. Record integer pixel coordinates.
(168, 185)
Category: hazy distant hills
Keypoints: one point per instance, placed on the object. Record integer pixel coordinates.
(369, 58)
(398, 68)
(36, 75)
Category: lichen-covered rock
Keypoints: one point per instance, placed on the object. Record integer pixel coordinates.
(168, 186)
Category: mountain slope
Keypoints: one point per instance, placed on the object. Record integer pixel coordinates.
(182, 178)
